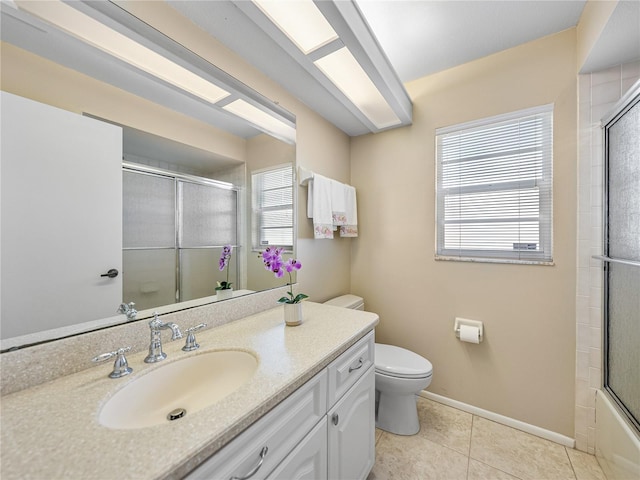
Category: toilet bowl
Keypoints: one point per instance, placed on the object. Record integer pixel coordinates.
(400, 374)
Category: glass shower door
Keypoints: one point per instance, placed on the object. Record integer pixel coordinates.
(622, 260)
(149, 240)
(208, 220)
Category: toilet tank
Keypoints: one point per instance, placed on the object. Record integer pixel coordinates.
(347, 301)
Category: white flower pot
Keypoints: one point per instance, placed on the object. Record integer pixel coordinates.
(293, 314)
(224, 294)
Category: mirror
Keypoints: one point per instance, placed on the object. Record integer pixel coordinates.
(193, 143)
(155, 272)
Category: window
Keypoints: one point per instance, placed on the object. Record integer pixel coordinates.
(273, 207)
(494, 188)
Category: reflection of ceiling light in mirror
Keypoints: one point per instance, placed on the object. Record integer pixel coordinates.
(345, 72)
(122, 47)
(315, 31)
(261, 119)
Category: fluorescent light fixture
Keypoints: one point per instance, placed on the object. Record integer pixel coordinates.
(261, 119)
(345, 72)
(99, 35)
(299, 20)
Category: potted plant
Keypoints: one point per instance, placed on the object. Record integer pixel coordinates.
(273, 262)
(224, 290)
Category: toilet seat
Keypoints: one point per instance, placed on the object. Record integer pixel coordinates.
(398, 362)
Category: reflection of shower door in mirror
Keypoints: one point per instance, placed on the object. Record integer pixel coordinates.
(174, 230)
(622, 260)
(61, 217)
(208, 220)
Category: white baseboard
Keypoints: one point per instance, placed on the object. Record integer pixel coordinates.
(496, 417)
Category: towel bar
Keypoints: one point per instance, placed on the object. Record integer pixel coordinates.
(304, 176)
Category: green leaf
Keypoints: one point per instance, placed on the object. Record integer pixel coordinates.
(224, 285)
(299, 297)
(285, 300)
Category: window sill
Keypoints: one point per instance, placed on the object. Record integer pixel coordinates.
(494, 260)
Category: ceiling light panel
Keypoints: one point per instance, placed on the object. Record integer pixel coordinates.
(308, 35)
(261, 119)
(345, 72)
(100, 36)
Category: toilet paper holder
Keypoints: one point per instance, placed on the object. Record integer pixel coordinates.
(471, 323)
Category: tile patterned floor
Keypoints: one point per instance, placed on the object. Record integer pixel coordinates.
(453, 445)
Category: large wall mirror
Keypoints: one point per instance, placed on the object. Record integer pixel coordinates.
(191, 179)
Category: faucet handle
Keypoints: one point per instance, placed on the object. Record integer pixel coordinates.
(121, 367)
(191, 344)
(128, 309)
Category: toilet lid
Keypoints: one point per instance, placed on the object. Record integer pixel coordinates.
(399, 362)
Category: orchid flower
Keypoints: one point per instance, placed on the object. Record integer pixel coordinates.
(225, 256)
(272, 258)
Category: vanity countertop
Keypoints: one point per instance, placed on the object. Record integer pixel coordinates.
(52, 430)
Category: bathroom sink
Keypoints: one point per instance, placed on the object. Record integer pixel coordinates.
(178, 389)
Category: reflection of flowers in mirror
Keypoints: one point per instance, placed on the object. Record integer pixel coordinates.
(273, 262)
(225, 256)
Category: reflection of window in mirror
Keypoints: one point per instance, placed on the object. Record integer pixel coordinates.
(272, 201)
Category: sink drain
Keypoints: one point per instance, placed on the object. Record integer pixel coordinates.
(176, 414)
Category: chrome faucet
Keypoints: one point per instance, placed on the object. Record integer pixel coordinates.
(128, 310)
(155, 347)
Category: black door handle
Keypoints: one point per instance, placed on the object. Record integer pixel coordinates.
(113, 273)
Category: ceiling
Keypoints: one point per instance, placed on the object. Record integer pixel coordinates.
(418, 37)
(409, 39)
(424, 37)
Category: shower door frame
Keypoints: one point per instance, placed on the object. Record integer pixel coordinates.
(177, 177)
(626, 103)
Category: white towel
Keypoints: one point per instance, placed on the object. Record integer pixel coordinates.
(321, 207)
(310, 199)
(350, 228)
(338, 204)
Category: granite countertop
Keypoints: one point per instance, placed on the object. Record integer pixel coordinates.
(52, 430)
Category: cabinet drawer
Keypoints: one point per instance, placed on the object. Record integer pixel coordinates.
(268, 441)
(345, 370)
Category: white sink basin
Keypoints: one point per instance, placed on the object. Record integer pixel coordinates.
(189, 384)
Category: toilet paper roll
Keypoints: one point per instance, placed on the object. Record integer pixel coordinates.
(469, 334)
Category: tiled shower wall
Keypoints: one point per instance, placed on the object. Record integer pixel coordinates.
(598, 93)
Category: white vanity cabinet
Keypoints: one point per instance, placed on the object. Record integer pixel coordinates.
(264, 445)
(324, 430)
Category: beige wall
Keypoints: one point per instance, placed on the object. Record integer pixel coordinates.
(593, 20)
(525, 367)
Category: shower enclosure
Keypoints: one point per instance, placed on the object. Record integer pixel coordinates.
(174, 228)
(621, 259)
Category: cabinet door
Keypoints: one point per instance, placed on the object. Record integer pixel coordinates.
(351, 431)
(308, 461)
(61, 217)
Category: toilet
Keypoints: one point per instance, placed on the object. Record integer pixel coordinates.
(400, 374)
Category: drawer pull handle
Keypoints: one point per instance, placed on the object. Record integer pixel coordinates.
(335, 418)
(360, 363)
(263, 454)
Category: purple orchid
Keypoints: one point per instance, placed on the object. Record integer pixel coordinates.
(272, 258)
(225, 256)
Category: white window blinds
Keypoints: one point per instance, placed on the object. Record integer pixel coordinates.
(272, 207)
(494, 188)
